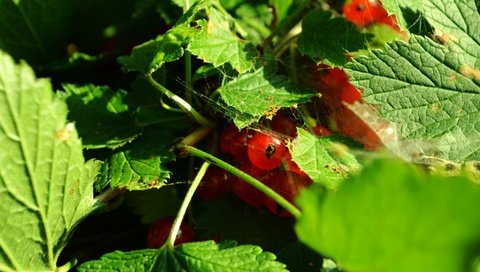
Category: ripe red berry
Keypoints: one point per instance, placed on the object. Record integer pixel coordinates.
(215, 183)
(266, 151)
(234, 142)
(350, 94)
(334, 85)
(349, 124)
(364, 12)
(282, 123)
(288, 184)
(291, 166)
(321, 131)
(245, 191)
(159, 231)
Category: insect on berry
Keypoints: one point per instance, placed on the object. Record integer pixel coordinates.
(267, 151)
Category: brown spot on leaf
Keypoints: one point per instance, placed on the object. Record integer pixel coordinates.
(434, 107)
(442, 37)
(269, 114)
(66, 133)
(470, 72)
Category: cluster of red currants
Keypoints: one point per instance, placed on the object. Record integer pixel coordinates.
(263, 155)
(337, 92)
(366, 12)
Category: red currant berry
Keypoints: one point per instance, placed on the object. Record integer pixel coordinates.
(282, 123)
(291, 166)
(266, 151)
(288, 184)
(350, 94)
(349, 124)
(159, 231)
(245, 191)
(321, 131)
(215, 183)
(234, 142)
(364, 12)
(334, 85)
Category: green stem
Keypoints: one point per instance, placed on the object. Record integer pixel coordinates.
(196, 136)
(186, 201)
(184, 105)
(109, 194)
(246, 177)
(188, 76)
(67, 267)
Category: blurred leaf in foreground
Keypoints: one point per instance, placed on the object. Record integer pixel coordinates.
(394, 217)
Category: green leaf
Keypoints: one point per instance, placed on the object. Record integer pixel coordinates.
(431, 91)
(45, 186)
(255, 20)
(329, 38)
(218, 44)
(326, 162)
(394, 217)
(139, 260)
(36, 31)
(102, 117)
(452, 23)
(140, 166)
(260, 93)
(199, 256)
(149, 56)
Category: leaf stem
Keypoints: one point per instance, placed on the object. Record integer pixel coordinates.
(196, 136)
(246, 177)
(184, 105)
(186, 201)
(188, 76)
(67, 267)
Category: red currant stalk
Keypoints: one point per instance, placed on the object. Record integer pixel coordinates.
(237, 172)
(184, 105)
(186, 201)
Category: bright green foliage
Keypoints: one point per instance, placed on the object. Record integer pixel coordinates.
(326, 162)
(394, 217)
(199, 256)
(432, 91)
(101, 116)
(140, 260)
(149, 56)
(328, 38)
(452, 21)
(36, 31)
(218, 44)
(140, 167)
(45, 186)
(260, 93)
